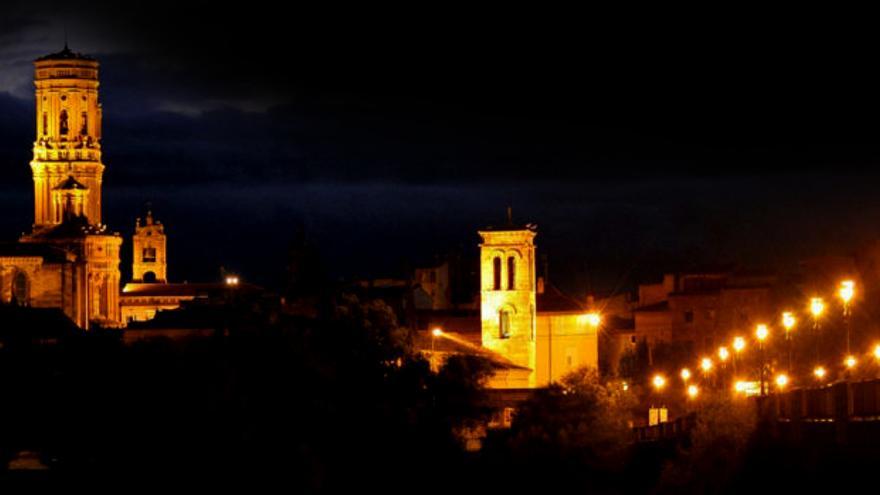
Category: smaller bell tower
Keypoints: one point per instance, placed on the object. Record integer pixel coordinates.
(149, 264)
(507, 294)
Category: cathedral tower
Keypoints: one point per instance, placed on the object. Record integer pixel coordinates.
(68, 139)
(149, 264)
(507, 295)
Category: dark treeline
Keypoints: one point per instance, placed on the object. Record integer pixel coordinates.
(343, 400)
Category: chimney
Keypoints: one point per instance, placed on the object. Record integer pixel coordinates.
(540, 285)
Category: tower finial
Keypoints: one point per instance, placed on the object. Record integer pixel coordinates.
(509, 215)
(65, 37)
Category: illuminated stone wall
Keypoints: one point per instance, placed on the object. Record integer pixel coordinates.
(565, 342)
(518, 301)
(68, 134)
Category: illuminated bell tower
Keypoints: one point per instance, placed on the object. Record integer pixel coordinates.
(68, 138)
(149, 263)
(507, 295)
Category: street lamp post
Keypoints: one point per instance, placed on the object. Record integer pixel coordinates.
(817, 307)
(846, 292)
(739, 344)
(761, 333)
(788, 321)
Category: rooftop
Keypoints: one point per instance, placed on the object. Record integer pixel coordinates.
(65, 54)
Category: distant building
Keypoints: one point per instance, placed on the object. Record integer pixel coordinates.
(529, 330)
(703, 308)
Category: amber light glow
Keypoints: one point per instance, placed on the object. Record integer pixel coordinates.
(847, 291)
(877, 351)
(761, 332)
(819, 372)
(706, 365)
(850, 361)
(817, 307)
(739, 344)
(685, 374)
(659, 382)
(723, 354)
(693, 391)
(788, 320)
(436, 332)
(781, 380)
(594, 319)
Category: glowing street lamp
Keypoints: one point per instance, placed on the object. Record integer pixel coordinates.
(740, 386)
(850, 362)
(819, 372)
(685, 374)
(723, 354)
(761, 332)
(594, 319)
(693, 391)
(877, 351)
(231, 280)
(659, 382)
(781, 380)
(706, 365)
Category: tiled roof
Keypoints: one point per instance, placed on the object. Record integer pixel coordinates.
(48, 252)
(553, 300)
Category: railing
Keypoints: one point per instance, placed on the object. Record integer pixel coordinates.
(674, 429)
(845, 412)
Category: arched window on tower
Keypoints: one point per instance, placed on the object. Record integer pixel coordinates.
(20, 289)
(62, 128)
(511, 273)
(149, 255)
(84, 130)
(496, 267)
(45, 124)
(504, 324)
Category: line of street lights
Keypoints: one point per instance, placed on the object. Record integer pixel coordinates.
(846, 292)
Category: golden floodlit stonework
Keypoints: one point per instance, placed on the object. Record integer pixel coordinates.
(69, 260)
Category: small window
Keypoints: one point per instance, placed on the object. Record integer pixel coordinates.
(504, 324)
(511, 273)
(45, 123)
(496, 267)
(84, 130)
(149, 255)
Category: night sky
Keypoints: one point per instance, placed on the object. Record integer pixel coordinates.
(637, 143)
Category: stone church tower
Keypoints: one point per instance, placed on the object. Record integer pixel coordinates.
(507, 295)
(67, 149)
(67, 175)
(149, 264)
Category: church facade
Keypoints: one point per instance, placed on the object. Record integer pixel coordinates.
(70, 259)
